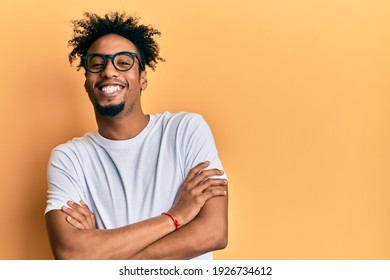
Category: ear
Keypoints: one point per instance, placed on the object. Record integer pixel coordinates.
(143, 80)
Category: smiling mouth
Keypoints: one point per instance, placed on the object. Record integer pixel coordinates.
(110, 90)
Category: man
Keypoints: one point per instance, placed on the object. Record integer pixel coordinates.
(142, 186)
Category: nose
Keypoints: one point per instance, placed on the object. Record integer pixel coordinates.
(109, 71)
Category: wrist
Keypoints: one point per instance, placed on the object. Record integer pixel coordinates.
(173, 218)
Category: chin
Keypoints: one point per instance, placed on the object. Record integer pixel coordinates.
(110, 110)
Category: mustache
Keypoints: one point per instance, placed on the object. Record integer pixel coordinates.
(112, 80)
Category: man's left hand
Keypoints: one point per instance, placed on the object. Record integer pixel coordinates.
(79, 215)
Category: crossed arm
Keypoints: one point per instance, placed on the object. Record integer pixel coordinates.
(200, 206)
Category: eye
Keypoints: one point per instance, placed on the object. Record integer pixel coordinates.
(124, 62)
(95, 62)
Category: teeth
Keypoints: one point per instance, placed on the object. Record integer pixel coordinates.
(111, 89)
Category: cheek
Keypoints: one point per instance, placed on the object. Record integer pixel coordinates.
(88, 87)
(133, 80)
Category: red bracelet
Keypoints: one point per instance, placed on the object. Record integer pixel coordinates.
(176, 222)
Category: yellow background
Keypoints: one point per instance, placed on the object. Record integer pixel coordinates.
(296, 93)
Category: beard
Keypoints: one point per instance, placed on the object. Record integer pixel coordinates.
(110, 110)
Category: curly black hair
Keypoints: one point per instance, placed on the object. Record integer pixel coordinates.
(89, 29)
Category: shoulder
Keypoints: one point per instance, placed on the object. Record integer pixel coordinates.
(75, 146)
(185, 127)
(181, 119)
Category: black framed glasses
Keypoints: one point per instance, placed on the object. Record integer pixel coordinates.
(122, 61)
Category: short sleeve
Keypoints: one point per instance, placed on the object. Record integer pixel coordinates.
(199, 144)
(63, 182)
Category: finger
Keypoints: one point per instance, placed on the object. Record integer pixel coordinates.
(75, 215)
(212, 183)
(74, 223)
(80, 209)
(203, 175)
(93, 222)
(82, 203)
(91, 216)
(195, 170)
(213, 192)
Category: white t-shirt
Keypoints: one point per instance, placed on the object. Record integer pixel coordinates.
(127, 181)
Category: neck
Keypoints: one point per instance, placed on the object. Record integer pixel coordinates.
(122, 127)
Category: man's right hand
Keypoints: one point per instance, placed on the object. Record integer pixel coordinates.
(197, 188)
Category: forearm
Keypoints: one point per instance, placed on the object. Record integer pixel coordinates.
(121, 243)
(207, 232)
(200, 206)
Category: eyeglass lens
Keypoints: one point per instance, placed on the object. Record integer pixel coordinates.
(97, 63)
